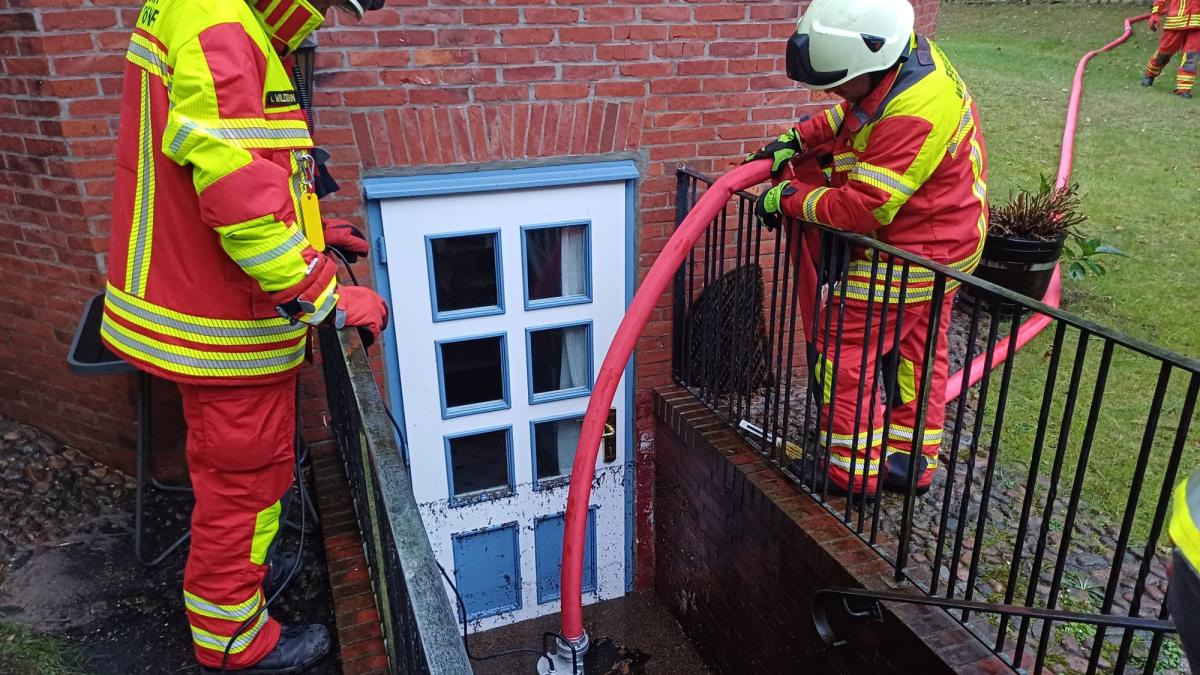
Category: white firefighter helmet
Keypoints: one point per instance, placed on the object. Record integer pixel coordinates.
(838, 40)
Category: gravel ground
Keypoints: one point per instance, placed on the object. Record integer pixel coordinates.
(1087, 558)
(67, 569)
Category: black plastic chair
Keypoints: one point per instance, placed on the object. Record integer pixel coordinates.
(89, 356)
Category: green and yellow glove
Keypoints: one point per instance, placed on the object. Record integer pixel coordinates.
(780, 151)
(769, 207)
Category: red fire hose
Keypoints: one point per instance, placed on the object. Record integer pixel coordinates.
(662, 273)
(1035, 324)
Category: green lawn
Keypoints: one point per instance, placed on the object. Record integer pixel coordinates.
(24, 652)
(1138, 166)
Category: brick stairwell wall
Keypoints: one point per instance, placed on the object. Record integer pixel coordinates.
(741, 550)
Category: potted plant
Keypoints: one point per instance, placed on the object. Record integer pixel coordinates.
(1031, 233)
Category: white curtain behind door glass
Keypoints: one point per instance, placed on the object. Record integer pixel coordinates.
(574, 272)
(573, 370)
(568, 438)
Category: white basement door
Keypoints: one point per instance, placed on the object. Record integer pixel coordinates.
(504, 303)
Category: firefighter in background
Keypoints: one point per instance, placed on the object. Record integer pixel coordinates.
(1183, 594)
(1180, 21)
(213, 284)
(906, 164)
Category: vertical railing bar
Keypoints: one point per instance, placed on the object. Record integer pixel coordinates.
(744, 374)
(791, 338)
(956, 438)
(707, 327)
(719, 362)
(1031, 482)
(756, 246)
(775, 349)
(778, 430)
(976, 430)
(828, 243)
(681, 210)
(1155, 644)
(910, 493)
(689, 304)
(997, 428)
(864, 375)
(1160, 512)
(901, 302)
(1081, 467)
(1135, 491)
(1052, 491)
(843, 263)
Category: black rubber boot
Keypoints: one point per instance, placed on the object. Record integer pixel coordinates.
(1183, 94)
(895, 472)
(281, 563)
(1147, 81)
(298, 649)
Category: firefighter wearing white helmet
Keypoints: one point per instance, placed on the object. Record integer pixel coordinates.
(902, 158)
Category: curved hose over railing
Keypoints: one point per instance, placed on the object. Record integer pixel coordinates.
(662, 273)
(1035, 324)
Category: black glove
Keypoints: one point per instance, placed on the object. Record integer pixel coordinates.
(769, 207)
(780, 151)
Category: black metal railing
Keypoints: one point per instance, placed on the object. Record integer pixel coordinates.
(418, 620)
(1053, 487)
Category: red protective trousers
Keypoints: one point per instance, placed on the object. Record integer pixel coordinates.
(1185, 40)
(240, 450)
(852, 419)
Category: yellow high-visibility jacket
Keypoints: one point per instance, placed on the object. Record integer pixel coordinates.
(1185, 520)
(207, 236)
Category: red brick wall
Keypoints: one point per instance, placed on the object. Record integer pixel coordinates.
(58, 105)
(420, 83)
(748, 549)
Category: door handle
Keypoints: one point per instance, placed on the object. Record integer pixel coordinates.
(610, 437)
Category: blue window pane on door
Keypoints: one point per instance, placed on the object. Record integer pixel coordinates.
(473, 376)
(480, 464)
(557, 264)
(554, 443)
(487, 571)
(560, 362)
(548, 539)
(465, 275)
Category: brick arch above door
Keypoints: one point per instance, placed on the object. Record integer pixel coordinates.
(478, 133)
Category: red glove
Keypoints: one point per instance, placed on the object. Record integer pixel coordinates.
(346, 238)
(1154, 22)
(362, 307)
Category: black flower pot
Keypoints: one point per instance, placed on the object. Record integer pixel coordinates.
(1019, 264)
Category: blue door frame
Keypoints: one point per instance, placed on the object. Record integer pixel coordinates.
(377, 190)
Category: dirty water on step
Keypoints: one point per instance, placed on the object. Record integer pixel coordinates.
(632, 635)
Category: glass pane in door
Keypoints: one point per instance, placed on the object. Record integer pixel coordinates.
(554, 444)
(473, 375)
(556, 265)
(479, 462)
(560, 360)
(466, 275)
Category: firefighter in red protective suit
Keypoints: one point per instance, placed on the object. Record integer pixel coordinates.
(1180, 21)
(213, 284)
(907, 166)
